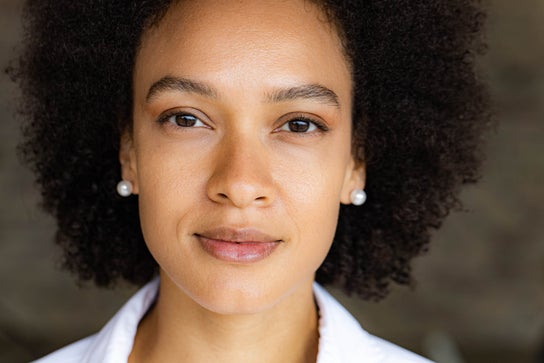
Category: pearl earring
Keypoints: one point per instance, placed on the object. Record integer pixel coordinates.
(124, 188)
(358, 197)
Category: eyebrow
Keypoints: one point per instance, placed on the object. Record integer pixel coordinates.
(169, 83)
(305, 91)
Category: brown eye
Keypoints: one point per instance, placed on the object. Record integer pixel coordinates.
(299, 126)
(185, 120)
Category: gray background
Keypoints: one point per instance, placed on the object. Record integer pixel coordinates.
(480, 292)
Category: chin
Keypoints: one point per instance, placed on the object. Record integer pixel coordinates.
(237, 299)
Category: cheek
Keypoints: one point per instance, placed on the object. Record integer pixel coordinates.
(312, 221)
(312, 178)
(311, 197)
(169, 186)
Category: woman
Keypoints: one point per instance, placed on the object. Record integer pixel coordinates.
(240, 137)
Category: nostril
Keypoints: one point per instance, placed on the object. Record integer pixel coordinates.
(239, 192)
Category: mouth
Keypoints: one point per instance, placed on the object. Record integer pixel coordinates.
(237, 245)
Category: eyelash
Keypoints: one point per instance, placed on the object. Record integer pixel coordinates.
(320, 126)
(163, 119)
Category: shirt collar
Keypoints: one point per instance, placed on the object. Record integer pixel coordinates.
(341, 338)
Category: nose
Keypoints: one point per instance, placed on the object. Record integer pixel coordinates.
(241, 175)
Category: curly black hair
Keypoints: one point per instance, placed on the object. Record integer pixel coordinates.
(420, 112)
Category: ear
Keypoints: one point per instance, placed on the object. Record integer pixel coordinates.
(127, 158)
(354, 178)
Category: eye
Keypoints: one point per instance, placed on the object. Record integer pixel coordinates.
(300, 125)
(184, 120)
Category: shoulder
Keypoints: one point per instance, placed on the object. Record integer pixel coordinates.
(392, 353)
(72, 353)
(343, 340)
(113, 342)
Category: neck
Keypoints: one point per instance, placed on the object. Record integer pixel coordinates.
(177, 329)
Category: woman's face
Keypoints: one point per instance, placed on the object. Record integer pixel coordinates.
(240, 150)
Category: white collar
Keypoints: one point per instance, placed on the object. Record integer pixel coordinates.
(341, 338)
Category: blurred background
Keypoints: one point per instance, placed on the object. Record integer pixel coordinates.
(480, 291)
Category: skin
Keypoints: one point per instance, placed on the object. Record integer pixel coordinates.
(231, 159)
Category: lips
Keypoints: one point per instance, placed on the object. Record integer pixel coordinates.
(237, 245)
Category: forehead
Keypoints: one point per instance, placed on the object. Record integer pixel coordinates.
(257, 16)
(275, 37)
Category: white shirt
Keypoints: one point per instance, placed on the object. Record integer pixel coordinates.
(341, 338)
